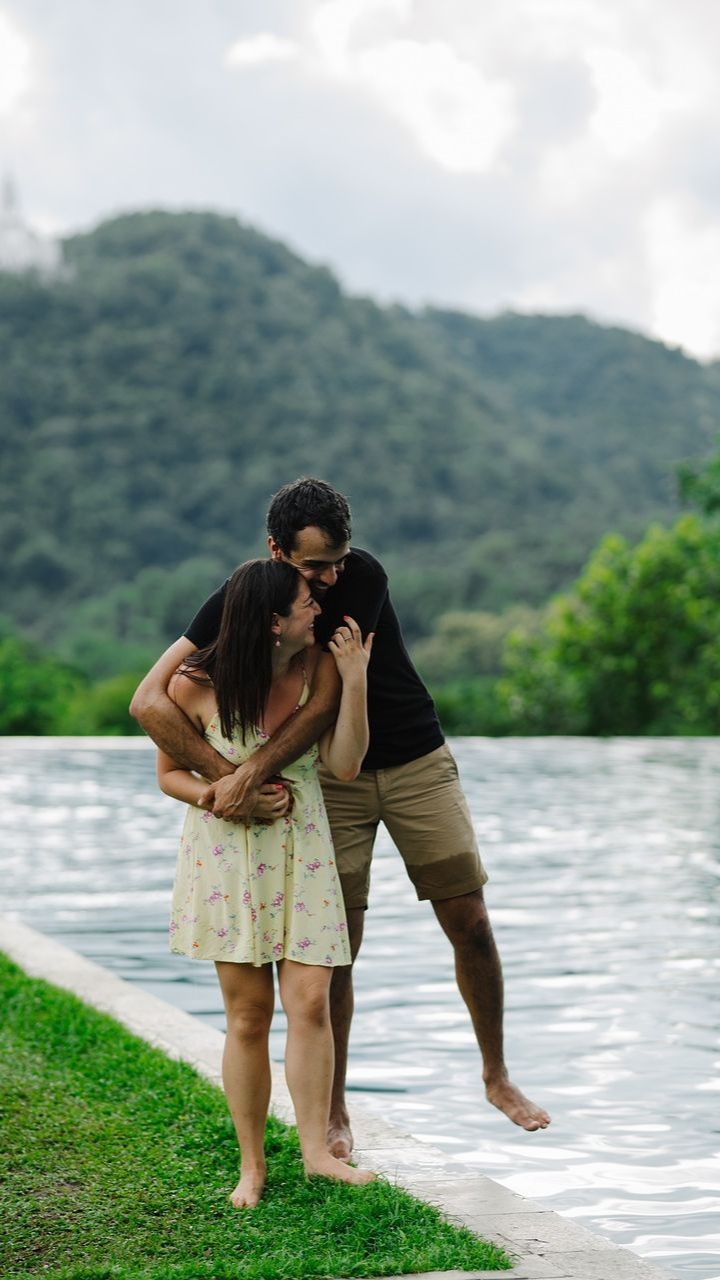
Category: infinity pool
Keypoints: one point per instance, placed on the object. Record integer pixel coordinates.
(604, 859)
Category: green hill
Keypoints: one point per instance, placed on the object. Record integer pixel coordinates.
(151, 403)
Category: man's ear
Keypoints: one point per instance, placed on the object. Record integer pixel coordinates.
(275, 552)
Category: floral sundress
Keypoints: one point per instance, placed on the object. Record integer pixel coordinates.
(264, 892)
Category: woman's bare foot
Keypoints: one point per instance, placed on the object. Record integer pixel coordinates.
(249, 1189)
(507, 1098)
(326, 1166)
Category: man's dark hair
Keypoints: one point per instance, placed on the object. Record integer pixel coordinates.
(304, 503)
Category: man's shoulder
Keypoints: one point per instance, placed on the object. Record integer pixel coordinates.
(205, 625)
(362, 564)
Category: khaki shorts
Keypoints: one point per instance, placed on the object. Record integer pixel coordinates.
(426, 814)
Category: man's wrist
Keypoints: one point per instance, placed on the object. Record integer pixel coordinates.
(221, 769)
(253, 775)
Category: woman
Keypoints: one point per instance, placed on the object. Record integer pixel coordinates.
(246, 896)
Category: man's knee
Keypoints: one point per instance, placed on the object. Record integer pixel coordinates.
(466, 922)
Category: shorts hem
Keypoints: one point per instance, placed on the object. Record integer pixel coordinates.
(469, 885)
(355, 906)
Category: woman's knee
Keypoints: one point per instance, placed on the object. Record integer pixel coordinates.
(312, 1010)
(248, 1022)
(248, 995)
(308, 1001)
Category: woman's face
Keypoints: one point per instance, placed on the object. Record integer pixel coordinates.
(297, 627)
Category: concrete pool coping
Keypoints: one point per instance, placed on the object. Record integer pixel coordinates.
(545, 1245)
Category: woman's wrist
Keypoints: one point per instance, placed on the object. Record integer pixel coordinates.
(355, 680)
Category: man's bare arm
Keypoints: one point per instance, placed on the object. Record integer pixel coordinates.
(167, 725)
(234, 797)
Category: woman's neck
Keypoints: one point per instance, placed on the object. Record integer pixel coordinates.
(282, 661)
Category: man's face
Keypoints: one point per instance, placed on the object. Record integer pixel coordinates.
(315, 558)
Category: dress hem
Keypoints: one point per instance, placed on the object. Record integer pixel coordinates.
(339, 964)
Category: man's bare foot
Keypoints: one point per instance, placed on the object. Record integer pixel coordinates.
(507, 1097)
(326, 1166)
(339, 1138)
(249, 1189)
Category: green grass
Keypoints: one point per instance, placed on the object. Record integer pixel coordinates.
(117, 1164)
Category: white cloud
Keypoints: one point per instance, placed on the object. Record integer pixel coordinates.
(16, 76)
(260, 50)
(628, 109)
(335, 26)
(459, 118)
(683, 248)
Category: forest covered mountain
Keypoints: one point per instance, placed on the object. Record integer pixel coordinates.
(152, 401)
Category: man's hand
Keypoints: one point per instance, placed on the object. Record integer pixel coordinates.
(274, 800)
(236, 797)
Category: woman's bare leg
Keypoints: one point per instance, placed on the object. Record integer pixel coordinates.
(309, 1061)
(248, 995)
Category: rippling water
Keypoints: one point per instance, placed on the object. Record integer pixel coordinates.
(604, 862)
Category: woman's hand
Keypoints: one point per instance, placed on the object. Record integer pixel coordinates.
(344, 746)
(274, 801)
(347, 648)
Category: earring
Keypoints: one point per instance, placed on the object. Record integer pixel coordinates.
(277, 643)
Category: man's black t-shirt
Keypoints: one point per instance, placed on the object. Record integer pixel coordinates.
(403, 720)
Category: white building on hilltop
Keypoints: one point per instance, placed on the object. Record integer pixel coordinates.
(21, 248)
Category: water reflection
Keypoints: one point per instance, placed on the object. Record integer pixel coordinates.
(604, 896)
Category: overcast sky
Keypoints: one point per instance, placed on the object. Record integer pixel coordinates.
(542, 155)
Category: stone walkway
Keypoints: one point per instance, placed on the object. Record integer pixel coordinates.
(544, 1245)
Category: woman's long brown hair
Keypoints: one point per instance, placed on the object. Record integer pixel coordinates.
(239, 662)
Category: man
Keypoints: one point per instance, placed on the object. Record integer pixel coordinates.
(408, 780)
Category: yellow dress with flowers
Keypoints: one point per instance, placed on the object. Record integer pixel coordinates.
(269, 891)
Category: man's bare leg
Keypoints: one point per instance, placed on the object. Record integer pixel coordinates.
(340, 1141)
(479, 978)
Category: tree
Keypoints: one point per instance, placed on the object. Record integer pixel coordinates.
(700, 485)
(103, 709)
(472, 707)
(34, 689)
(634, 648)
(468, 644)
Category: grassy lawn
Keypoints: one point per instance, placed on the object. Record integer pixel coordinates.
(117, 1164)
